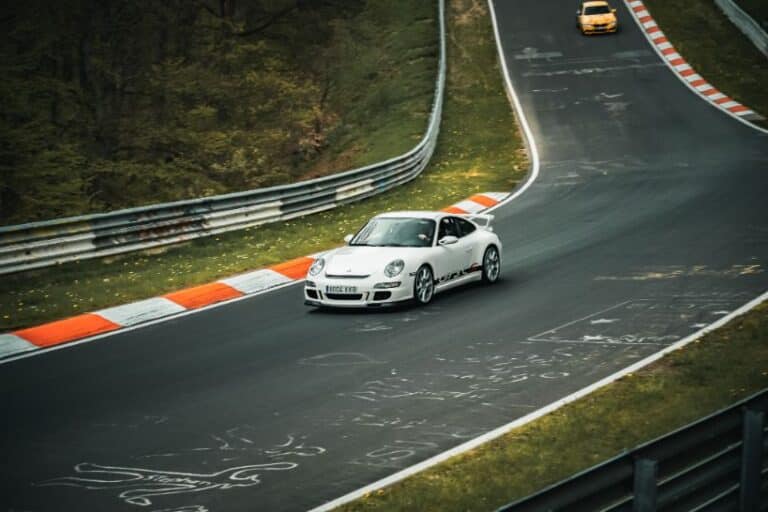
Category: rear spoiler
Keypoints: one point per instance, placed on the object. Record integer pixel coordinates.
(481, 219)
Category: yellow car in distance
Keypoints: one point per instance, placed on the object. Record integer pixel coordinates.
(596, 17)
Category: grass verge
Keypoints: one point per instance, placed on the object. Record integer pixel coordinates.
(713, 372)
(480, 149)
(716, 49)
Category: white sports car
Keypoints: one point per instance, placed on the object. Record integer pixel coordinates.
(401, 256)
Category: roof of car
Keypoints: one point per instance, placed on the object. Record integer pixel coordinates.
(595, 2)
(414, 214)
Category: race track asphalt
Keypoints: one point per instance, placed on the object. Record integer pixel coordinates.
(649, 219)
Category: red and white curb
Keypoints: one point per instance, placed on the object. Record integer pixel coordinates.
(684, 71)
(149, 310)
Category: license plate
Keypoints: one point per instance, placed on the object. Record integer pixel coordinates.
(341, 289)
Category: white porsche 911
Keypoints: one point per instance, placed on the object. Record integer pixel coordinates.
(402, 256)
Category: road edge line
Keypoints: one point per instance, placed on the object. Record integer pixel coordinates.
(504, 429)
(530, 143)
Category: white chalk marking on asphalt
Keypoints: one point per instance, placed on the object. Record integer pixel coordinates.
(140, 311)
(603, 321)
(489, 436)
(537, 337)
(504, 429)
(533, 53)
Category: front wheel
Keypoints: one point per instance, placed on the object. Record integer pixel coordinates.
(491, 265)
(423, 285)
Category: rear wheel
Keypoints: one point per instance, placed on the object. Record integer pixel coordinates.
(491, 265)
(423, 285)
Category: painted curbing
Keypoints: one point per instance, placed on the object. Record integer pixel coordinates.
(114, 319)
(683, 69)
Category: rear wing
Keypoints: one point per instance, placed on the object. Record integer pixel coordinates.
(481, 219)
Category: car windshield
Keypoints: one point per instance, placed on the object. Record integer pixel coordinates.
(596, 9)
(396, 232)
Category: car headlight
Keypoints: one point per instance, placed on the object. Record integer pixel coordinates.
(317, 267)
(394, 268)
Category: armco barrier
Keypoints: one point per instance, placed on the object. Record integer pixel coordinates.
(716, 463)
(41, 244)
(746, 24)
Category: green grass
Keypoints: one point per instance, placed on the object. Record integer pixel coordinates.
(479, 150)
(719, 369)
(716, 49)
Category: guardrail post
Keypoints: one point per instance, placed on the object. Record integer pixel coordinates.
(751, 461)
(645, 486)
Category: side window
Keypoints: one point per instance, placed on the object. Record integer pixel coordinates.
(465, 227)
(448, 228)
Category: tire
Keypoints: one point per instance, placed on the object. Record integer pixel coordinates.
(423, 286)
(491, 265)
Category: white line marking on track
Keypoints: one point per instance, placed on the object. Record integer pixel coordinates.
(504, 429)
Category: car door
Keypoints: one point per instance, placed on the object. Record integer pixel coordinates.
(450, 256)
(468, 244)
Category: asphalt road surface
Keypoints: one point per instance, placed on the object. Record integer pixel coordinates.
(649, 220)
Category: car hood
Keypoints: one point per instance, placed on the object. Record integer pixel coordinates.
(363, 261)
(599, 18)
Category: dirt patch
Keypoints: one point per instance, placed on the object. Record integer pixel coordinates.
(468, 11)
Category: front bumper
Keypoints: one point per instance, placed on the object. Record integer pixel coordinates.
(597, 29)
(318, 292)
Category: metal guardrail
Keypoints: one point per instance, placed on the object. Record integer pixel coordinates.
(716, 463)
(746, 24)
(41, 244)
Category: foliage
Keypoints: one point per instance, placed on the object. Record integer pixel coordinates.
(476, 109)
(110, 104)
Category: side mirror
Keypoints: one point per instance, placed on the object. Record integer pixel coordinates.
(613, 11)
(448, 240)
(578, 13)
(348, 238)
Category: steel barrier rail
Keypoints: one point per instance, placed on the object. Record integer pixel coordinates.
(717, 463)
(41, 244)
(748, 25)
